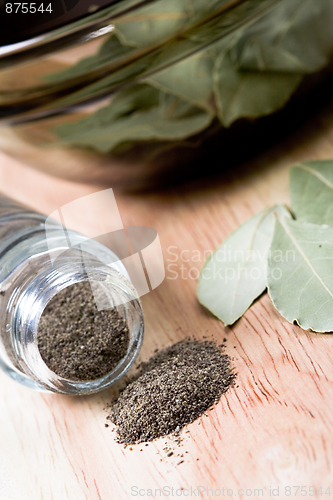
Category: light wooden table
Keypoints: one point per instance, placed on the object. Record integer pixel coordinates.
(274, 430)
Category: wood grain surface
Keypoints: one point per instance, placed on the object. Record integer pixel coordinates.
(272, 431)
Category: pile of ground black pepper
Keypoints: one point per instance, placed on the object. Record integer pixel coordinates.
(76, 340)
(172, 389)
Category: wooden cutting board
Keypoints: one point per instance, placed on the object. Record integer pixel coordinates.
(267, 436)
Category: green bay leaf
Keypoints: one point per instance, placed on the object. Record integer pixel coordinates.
(159, 21)
(249, 94)
(236, 273)
(109, 52)
(248, 73)
(300, 274)
(311, 191)
(295, 35)
(258, 55)
(146, 114)
(153, 23)
(190, 79)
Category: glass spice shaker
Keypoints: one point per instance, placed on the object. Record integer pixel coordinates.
(32, 272)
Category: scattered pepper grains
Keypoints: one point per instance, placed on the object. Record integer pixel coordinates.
(172, 389)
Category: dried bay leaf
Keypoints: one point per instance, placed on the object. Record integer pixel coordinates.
(110, 83)
(258, 55)
(167, 119)
(191, 79)
(250, 72)
(109, 52)
(300, 281)
(294, 35)
(261, 71)
(197, 87)
(249, 94)
(135, 67)
(236, 273)
(153, 23)
(161, 20)
(311, 191)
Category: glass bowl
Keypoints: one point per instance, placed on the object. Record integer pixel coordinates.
(138, 87)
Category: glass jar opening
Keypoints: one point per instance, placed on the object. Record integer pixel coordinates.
(110, 290)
